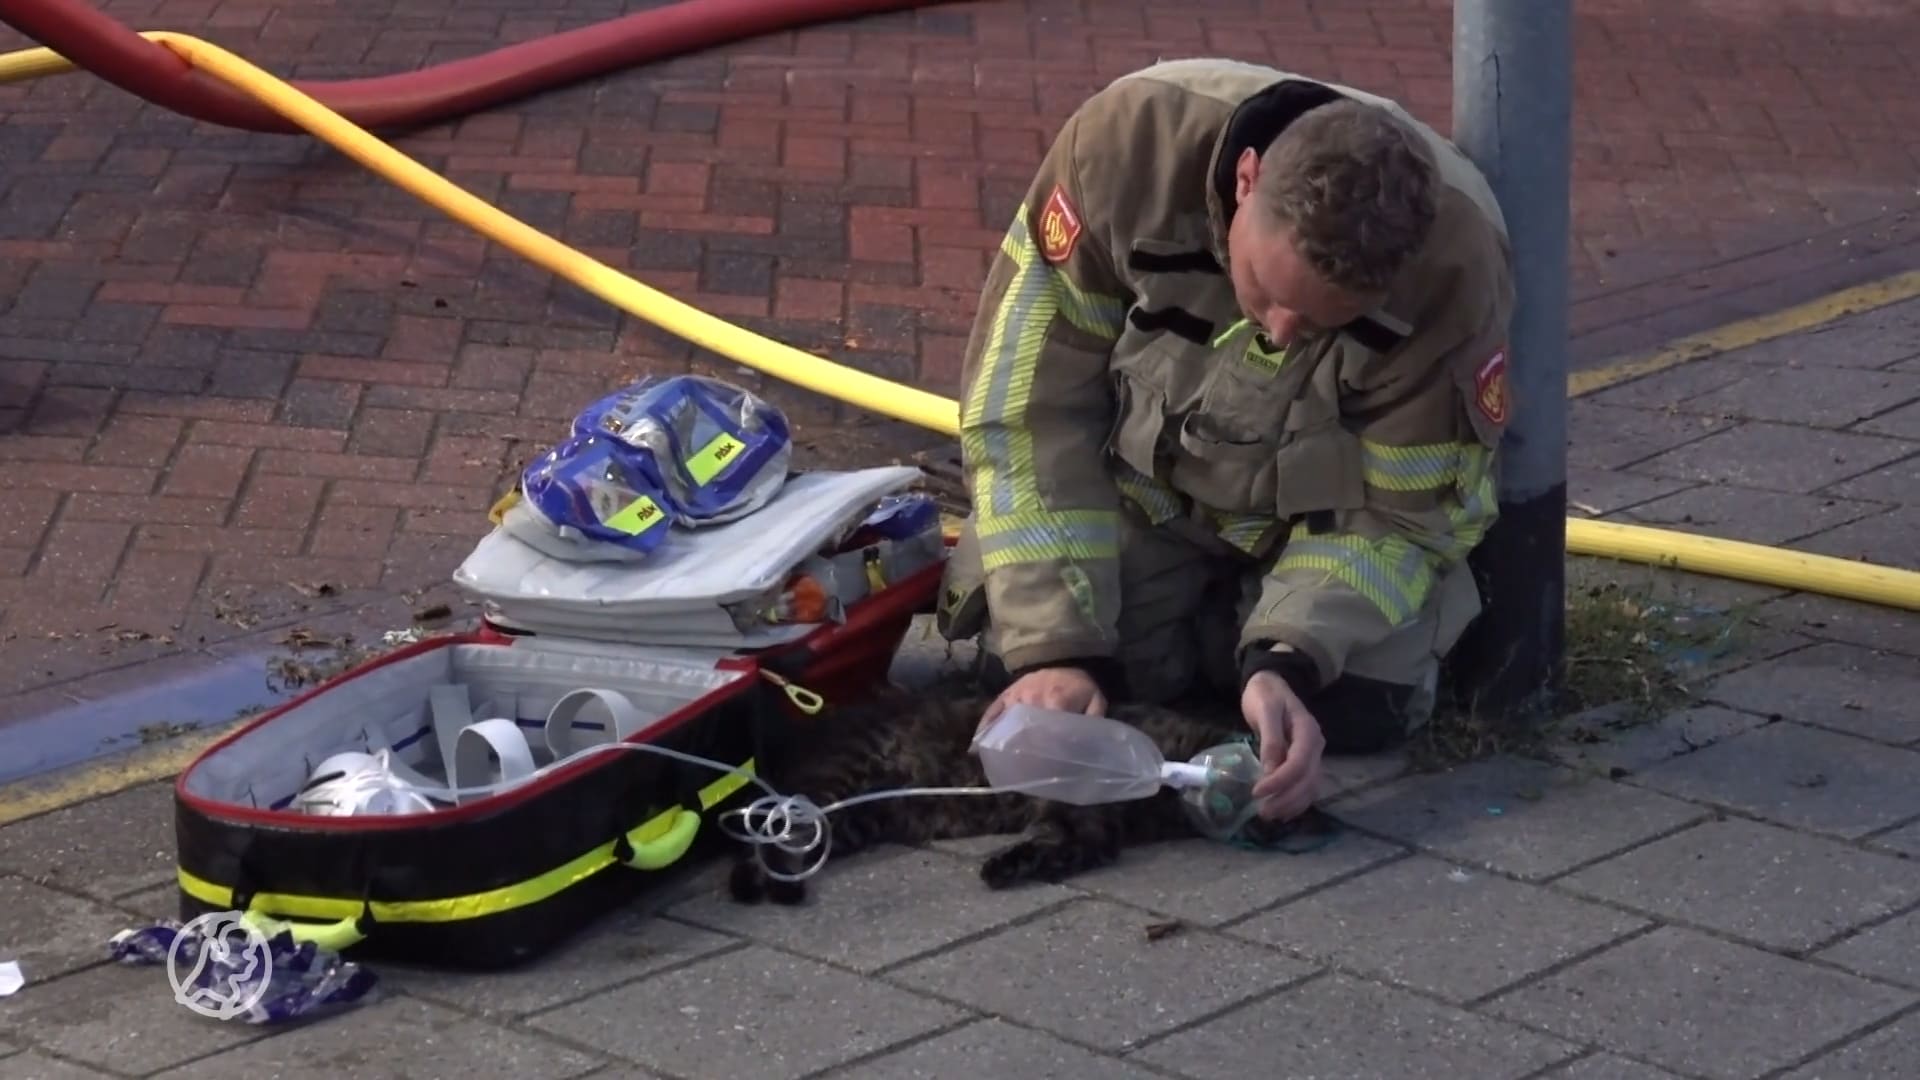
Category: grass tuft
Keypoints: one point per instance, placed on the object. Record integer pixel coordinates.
(1640, 649)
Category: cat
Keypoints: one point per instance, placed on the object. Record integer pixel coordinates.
(898, 739)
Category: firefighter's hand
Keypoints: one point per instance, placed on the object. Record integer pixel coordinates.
(1068, 689)
(1290, 747)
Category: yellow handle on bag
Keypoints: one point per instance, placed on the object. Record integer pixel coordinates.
(667, 848)
(334, 936)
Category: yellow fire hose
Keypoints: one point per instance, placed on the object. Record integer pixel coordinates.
(1738, 560)
(39, 63)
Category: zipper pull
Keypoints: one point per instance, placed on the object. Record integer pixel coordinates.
(803, 699)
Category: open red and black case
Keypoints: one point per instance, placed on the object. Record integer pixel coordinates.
(500, 878)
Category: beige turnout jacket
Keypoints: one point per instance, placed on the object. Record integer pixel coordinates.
(1109, 363)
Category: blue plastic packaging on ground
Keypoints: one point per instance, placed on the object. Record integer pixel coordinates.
(718, 451)
(301, 980)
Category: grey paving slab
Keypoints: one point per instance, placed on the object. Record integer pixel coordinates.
(7, 1048)
(1525, 818)
(1895, 483)
(1828, 618)
(1759, 517)
(1820, 396)
(994, 1048)
(1697, 595)
(1090, 973)
(1873, 336)
(51, 933)
(1886, 1054)
(1701, 1006)
(1208, 883)
(123, 1019)
(1609, 436)
(1348, 772)
(1888, 951)
(1609, 1067)
(1843, 687)
(1741, 644)
(1343, 1028)
(34, 1065)
(1884, 539)
(1868, 339)
(749, 1014)
(105, 847)
(1801, 776)
(1428, 925)
(1776, 457)
(1664, 389)
(1905, 840)
(157, 902)
(878, 909)
(396, 1036)
(1597, 742)
(1771, 886)
(1901, 423)
(1593, 491)
(628, 945)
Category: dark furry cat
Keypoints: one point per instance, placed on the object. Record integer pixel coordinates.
(897, 739)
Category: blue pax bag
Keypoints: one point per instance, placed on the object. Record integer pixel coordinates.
(685, 450)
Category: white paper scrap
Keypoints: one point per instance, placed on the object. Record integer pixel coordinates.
(10, 978)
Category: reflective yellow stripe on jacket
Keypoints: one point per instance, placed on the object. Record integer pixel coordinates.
(1013, 524)
(1443, 491)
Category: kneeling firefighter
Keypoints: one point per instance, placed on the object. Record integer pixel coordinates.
(1230, 410)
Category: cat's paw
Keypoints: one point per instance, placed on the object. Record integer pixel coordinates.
(1014, 864)
(747, 884)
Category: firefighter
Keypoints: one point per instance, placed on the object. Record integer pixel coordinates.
(1229, 413)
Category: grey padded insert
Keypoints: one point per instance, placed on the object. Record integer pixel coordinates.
(387, 708)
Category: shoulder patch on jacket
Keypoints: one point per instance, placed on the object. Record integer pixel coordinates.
(1490, 387)
(1059, 226)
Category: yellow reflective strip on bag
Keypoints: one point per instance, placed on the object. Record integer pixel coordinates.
(473, 905)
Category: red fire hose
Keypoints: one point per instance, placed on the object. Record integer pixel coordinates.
(101, 45)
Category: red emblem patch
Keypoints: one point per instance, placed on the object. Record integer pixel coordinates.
(1490, 387)
(1059, 226)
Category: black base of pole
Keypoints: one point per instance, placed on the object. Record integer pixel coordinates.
(1507, 669)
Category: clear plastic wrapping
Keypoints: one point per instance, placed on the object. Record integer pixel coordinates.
(685, 450)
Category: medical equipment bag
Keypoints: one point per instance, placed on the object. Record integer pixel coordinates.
(493, 879)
